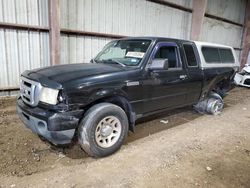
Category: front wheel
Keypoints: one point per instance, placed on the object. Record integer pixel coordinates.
(103, 129)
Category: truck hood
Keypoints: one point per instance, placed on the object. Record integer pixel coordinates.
(63, 73)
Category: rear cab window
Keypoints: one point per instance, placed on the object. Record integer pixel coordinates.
(190, 55)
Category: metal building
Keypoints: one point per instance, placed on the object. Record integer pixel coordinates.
(38, 33)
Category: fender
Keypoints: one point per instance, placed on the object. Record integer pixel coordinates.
(117, 97)
(126, 106)
(210, 85)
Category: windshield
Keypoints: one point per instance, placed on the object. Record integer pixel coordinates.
(123, 52)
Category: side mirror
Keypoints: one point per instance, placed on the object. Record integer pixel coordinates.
(92, 61)
(159, 64)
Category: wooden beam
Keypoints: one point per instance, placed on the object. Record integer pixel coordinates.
(246, 38)
(199, 8)
(66, 31)
(236, 48)
(16, 88)
(91, 34)
(54, 18)
(172, 5)
(223, 19)
(6, 25)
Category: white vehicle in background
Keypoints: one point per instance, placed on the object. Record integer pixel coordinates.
(243, 77)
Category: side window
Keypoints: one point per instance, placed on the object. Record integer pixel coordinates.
(170, 53)
(190, 55)
(211, 55)
(226, 55)
(217, 55)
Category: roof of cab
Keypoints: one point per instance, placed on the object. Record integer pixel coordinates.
(154, 39)
(199, 43)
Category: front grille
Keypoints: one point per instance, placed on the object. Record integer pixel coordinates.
(29, 91)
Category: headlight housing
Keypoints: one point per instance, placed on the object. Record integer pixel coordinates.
(49, 95)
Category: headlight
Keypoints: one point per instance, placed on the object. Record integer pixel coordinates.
(49, 95)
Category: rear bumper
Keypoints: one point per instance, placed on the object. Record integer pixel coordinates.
(57, 127)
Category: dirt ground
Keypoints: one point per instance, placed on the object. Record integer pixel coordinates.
(190, 150)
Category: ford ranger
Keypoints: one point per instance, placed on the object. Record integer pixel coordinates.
(131, 78)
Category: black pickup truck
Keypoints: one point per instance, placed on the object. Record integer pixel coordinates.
(100, 101)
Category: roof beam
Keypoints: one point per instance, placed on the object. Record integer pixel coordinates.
(172, 5)
(25, 27)
(223, 19)
(90, 34)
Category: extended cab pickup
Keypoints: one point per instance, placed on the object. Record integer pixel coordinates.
(131, 78)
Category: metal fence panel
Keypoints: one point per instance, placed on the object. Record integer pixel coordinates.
(130, 17)
(238, 53)
(43, 8)
(33, 12)
(80, 49)
(24, 51)
(44, 49)
(21, 50)
(221, 32)
(1, 11)
(12, 57)
(3, 65)
(185, 3)
(233, 10)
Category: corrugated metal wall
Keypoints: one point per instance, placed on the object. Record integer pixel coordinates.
(122, 17)
(144, 18)
(22, 50)
(222, 33)
(230, 9)
(219, 31)
(185, 3)
(78, 49)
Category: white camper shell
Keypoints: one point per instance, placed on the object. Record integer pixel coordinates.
(216, 55)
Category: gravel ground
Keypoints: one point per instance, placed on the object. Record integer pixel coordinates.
(189, 150)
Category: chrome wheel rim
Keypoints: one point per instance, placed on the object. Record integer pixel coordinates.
(217, 108)
(108, 131)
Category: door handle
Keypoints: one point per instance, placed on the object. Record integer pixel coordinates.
(183, 77)
(154, 74)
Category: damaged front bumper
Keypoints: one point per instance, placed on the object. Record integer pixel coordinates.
(57, 127)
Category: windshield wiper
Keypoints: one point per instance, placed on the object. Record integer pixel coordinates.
(114, 61)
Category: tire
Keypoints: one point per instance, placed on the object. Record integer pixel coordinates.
(215, 104)
(103, 130)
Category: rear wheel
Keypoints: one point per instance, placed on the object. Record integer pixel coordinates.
(213, 104)
(103, 129)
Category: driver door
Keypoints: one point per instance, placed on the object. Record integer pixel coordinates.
(166, 87)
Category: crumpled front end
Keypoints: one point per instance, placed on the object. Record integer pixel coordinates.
(243, 78)
(55, 122)
(57, 127)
